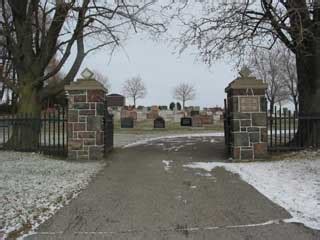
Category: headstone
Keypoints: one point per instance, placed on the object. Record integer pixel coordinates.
(194, 113)
(177, 116)
(206, 119)
(196, 121)
(127, 122)
(167, 115)
(186, 122)
(153, 114)
(163, 107)
(159, 123)
(129, 114)
(141, 116)
(154, 108)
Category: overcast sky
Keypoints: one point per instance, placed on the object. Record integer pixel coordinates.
(161, 70)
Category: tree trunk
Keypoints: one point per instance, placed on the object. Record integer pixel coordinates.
(296, 104)
(134, 102)
(271, 107)
(26, 127)
(308, 134)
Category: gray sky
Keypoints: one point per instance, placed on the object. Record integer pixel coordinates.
(162, 70)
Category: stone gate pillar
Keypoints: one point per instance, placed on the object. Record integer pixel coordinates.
(247, 111)
(86, 110)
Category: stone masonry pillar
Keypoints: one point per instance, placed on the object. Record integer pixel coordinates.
(247, 110)
(86, 110)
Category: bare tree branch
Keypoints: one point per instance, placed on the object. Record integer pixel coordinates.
(184, 92)
(134, 88)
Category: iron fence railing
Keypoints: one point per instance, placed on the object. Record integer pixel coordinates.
(108, 132)
(26, 133)
(227, 127)
(289, 131)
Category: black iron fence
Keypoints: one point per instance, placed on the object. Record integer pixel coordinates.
(289, 130)
(227, 126)
(108, 132)
(24, 132)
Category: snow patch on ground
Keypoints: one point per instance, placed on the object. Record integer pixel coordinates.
(33, 188)
(145, 141)
(167, 164)
(203, 174)
(292, 184)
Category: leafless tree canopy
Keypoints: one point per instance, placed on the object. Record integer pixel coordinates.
(103, 79)
(266, 65)
(134, 88)
(7, 74)
(184, 92)
(35, 31)
(289, 72)
(277, 68)
(220, 27)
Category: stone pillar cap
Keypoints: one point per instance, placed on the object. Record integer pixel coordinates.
(246, 81)
(85, 84)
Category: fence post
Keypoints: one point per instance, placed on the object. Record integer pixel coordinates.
(247, 108)
(86, 99)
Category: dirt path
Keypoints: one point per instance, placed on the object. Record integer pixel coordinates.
(146, 193)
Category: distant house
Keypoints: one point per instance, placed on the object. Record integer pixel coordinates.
(115, 100)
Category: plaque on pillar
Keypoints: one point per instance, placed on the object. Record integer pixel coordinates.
(249, 104)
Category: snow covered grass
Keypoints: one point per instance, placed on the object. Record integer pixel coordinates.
(33, 188)
(145, 141)
(292, 184)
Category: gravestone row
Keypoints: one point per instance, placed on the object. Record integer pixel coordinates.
(159, 122)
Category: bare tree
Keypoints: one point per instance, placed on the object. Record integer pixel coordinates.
(7, 76)
(289, 72)
(36, 31)
(233, 27)
(134, 88)
(103, 79)
(184, 92)
(266, 65)
(53, 95)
